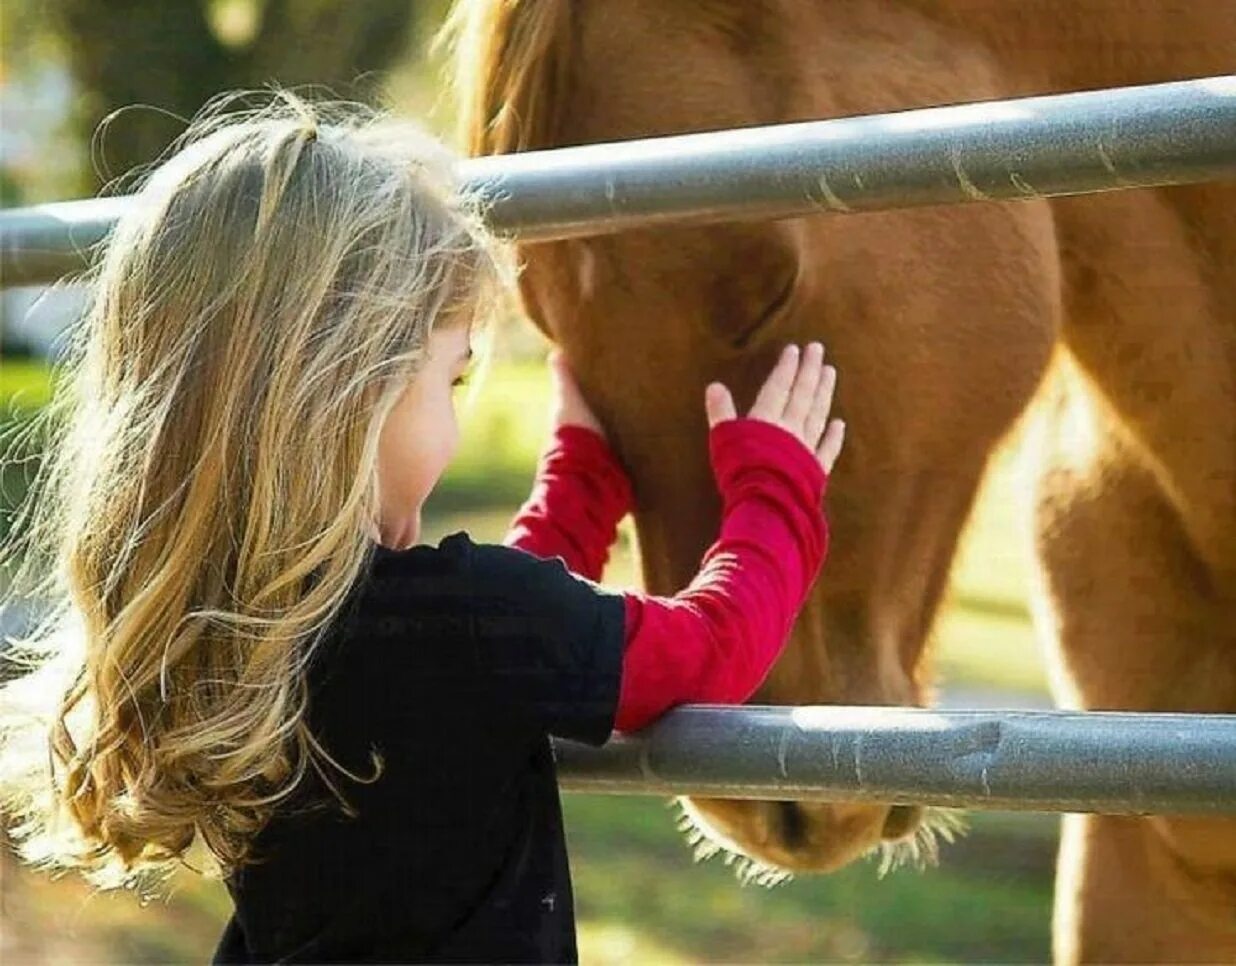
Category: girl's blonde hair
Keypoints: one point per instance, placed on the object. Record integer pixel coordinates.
(210, 494)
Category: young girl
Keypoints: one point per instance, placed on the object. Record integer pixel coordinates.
(250, 650)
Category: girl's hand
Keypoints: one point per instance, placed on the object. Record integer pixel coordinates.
(569, 407)
(796, 396)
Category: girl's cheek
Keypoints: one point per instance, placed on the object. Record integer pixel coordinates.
(452, 434)
(456, 435)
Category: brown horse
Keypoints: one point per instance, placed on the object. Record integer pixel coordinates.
(1115, 314)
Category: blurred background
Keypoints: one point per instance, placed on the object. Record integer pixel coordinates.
(147, 66)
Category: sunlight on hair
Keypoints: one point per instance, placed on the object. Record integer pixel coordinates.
(203, 511)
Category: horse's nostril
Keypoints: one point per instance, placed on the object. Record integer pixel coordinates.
(793, 824)
(901, 821)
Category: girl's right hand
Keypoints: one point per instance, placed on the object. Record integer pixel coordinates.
(797, 396)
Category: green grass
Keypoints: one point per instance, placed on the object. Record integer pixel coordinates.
(25, 388)
(24, 383)
(984, 630)
(503, 428)
(640, 897)
(630, 865)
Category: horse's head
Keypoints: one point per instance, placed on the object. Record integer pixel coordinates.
(940, 323)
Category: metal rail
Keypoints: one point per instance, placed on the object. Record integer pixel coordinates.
(1024, 148)
(1097, 761)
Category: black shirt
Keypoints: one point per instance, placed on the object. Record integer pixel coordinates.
(456, 662)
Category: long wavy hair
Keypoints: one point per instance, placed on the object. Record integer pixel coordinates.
(209, 496)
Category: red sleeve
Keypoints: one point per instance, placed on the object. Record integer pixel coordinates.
(579, 493)
(716, 640)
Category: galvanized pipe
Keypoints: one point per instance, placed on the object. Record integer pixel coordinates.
(1025, 148)
(1112, 762)
(41, 243)
(988, 151)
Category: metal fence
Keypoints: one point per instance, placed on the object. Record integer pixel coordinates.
(1025, 148)
(1113, 762)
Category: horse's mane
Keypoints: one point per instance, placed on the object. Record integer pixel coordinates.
(509, 70)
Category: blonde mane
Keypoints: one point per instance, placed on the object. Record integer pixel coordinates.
(511, 68)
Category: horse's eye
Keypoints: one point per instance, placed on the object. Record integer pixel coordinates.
(743, 336)
(756, 278)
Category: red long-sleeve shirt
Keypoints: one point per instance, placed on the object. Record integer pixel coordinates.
(715, 640)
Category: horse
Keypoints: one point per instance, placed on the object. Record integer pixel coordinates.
(1098, 332)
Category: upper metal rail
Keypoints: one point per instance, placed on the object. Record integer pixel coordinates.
(1097, 761)
(1035, 147)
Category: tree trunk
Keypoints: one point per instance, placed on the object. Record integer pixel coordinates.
(158, 61)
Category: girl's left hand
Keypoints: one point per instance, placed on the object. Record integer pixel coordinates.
(569, 407)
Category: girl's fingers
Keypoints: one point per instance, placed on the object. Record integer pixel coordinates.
(824, 396)
(770, 401)
(718, 403)
(569, 406)
(802, 393)
(817, 415)
(798, 395)
(830, 446)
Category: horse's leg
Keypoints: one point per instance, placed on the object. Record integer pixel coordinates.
(1115, 603)
(1122, 897)
(1132, 595)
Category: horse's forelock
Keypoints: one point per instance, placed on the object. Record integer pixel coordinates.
(509, 70)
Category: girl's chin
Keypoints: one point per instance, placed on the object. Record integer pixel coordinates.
(407, 534)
